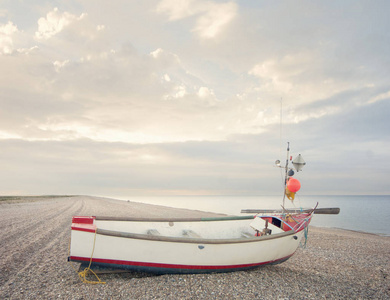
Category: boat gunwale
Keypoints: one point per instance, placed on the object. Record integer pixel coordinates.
(139, 236)
(205, 219)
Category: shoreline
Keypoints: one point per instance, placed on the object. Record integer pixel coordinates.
(35, 241)
(351, 230)
(24, 199)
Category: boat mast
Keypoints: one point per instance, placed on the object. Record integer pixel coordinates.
(285, 175)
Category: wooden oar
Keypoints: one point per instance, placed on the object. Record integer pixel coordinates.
(318, 211)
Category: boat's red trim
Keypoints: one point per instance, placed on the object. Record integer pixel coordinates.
(84, 224)
(83, 220)
(173, 266)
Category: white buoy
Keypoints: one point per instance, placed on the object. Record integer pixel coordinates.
(298, 163)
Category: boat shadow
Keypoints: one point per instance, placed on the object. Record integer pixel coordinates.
(107, 273)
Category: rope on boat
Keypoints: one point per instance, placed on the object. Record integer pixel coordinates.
(83, 274)
(306, 234)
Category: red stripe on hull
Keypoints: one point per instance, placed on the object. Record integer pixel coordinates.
(125, 263)
(80, 227)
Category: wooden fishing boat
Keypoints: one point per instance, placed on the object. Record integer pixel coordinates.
(201, 245)
(187, 245)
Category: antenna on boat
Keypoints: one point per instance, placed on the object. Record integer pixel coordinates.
(291, 185)
(286, 171)
(281, 126)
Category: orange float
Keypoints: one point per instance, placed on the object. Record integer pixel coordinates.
(293, 185)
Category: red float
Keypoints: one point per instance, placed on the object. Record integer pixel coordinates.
(293, 185)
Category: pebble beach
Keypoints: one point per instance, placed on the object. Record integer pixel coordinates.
(35, 236)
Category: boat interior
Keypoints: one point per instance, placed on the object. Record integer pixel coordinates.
(218, 229)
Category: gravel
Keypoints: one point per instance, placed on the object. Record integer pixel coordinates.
(34, 241)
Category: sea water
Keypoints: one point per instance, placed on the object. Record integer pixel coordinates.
(360, 213)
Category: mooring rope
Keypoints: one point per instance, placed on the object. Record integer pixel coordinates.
(306, 233)
(83, 274)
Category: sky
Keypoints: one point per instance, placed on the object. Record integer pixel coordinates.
(184, 97)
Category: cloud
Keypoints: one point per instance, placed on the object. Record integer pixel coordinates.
(60, 64)
(165, 58)
(302, 77)
(6, 41)
(160, 95)
(380, 97)
(90, 167)
(54, 23)
(217, 16)
(177, 10)
(205, 92)
(211, 17)
(343, 157)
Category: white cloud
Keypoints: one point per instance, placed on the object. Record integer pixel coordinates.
(211, 17)
(27, 50)
(4, 135)
(60, 64)
(205, 92)
(380, 97)
(54, 23)
(301, 79)
(167, 78)
(283, 74)
(156, 53)
(214, 19)
(6, 41)
(166, 57)
(178, 92)
(177, 10)
(273, 76)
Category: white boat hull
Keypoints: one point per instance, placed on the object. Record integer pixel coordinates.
(176, 254)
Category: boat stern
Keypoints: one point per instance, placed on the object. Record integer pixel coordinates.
(82, 237)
